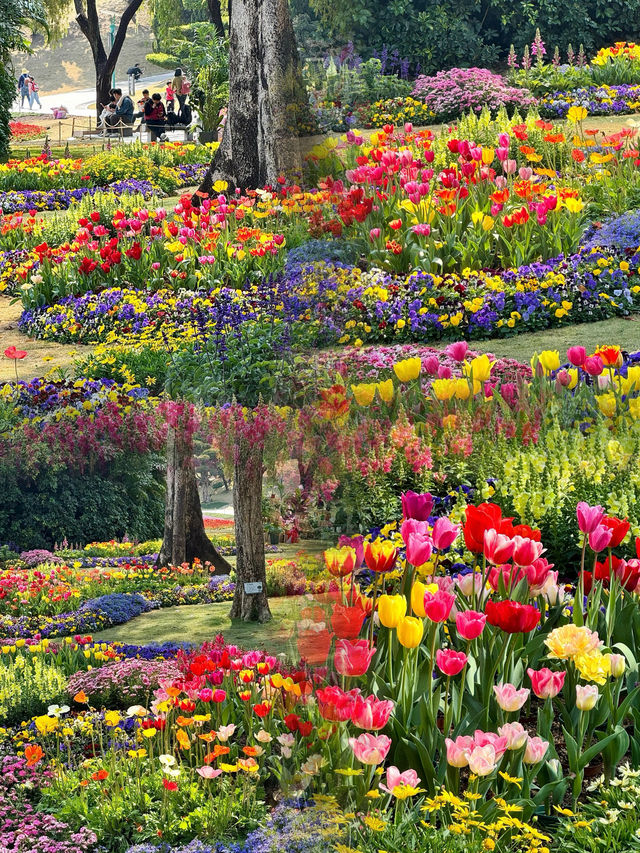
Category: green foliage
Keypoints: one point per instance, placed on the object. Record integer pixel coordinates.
(255, 366)
(543, 79)
(145, 366)
(15, 17)
(164, 60)
(127, 498)
(363, 85)
(28, 685)
(439, 34)
(206, 60)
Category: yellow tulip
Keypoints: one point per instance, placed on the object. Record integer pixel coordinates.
(607, 404)
(487, 223)
(487, 155)
(443, 389)
(463, 392)
(391, 609)
(385, 389)
(479, 367)
(417, 598)
(408, 369)
(410, 631)
(574, 205)
(364, 393)
(573, 377)
(548, 359)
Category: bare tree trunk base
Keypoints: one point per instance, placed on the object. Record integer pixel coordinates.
(250, 608)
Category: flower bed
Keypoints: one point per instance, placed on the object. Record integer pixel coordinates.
(597, 100)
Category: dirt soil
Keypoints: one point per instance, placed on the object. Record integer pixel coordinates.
(42, 356)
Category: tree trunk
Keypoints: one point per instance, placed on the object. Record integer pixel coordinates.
(103, 86)
(215, 13)
(250, 562)
(185, 538)
(266, 94)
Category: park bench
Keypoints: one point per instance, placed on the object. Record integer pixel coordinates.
(184, 129)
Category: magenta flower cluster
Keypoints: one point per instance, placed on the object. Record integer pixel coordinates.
(451, 93)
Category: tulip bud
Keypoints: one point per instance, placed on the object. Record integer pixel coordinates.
(618, 665)
(586, 697)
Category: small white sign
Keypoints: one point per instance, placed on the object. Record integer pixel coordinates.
(253, 588)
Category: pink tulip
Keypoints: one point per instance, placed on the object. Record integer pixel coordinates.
(469, 583)
(417, 539)
(438, 607)
(509, 166)
(515, 734)
(431, 364)
(509, 698)
(593, 365)
(504, 139)
(526, 173)
(219, 695)
(501, 182)
(450, 662)
(445, 372)
(457, 350)
(371, 713)
(482, 760)
(525, 551)
(353, 658)
(416, 506)
(374, 233)
(502, 154)
(577, 356)
(538, 572)
(444, 533)
(546, 684)
(370, 749)
(589, 517)
(396, 779)
(498, 548)
(205, 695)
(470, 624)
(458, 750)
(498, 743)
(600, 538)
(535, 751)
(209, 772)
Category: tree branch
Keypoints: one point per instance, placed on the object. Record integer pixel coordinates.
(121, 32)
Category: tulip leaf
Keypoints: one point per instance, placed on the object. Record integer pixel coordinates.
(572, 750)
(589, 754)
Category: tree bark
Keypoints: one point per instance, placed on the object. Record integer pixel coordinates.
(105, 63)
(266, 93)
(185, 538)
(215, 13)
(250, 559)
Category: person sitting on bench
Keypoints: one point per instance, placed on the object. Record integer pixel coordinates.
(141, 104)
(155, 117)
(123, 113)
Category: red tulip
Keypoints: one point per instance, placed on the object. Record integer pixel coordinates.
(512, 617)
(619, 528)
(628, 573)
(480, 518)
(347, 621)
(335, 705)
(525, 551)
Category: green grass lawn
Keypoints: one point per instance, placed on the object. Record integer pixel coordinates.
(201, 622)
(624, 331)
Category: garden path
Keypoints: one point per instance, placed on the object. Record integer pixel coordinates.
(42, 356)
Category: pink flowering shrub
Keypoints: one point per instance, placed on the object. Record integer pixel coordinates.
(375, 363)
(124, 683)
(450, 94)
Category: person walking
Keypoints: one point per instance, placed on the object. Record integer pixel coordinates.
(155, 116)
(34, 97)
(23, 87)
(181, 87)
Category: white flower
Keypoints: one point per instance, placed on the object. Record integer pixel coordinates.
(58, 710)
(136, 711)
(166, 760)
(287, 740)
(225, 732)
(263, 736)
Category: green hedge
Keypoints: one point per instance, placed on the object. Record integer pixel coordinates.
(127, 498)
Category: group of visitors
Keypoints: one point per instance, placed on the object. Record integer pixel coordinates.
(152, 112)
(28, 90)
